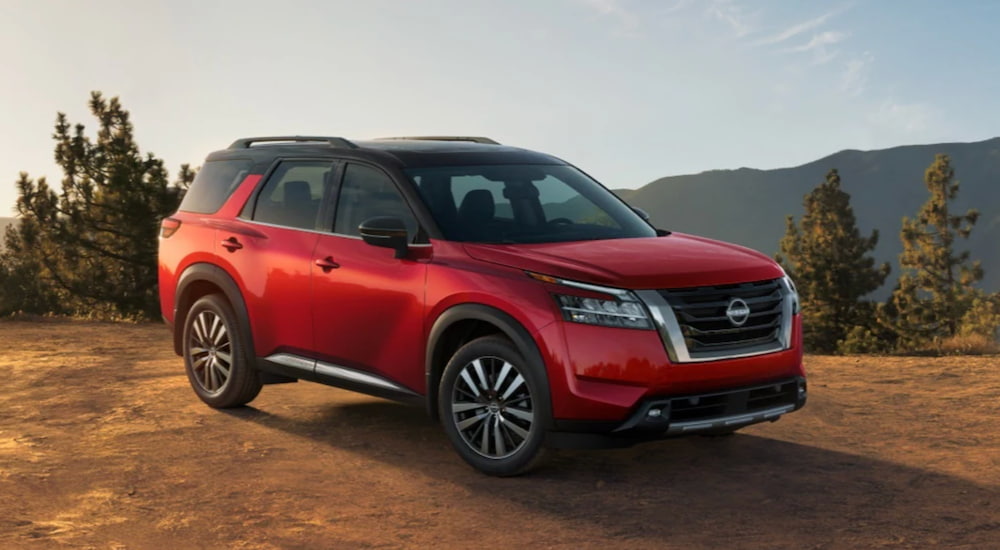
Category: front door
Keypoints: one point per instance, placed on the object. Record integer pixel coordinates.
(368, 307)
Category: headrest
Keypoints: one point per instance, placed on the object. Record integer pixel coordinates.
(297, 191)
(477, 204)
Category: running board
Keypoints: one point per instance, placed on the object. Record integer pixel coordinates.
(336, 375)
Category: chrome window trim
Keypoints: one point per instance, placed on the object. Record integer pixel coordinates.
(319, 232)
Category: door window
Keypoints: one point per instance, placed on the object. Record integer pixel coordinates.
(368, 193)
(293, 194)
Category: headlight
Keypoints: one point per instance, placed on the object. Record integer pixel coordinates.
(793, 294)
(607, 313)
(624, 310)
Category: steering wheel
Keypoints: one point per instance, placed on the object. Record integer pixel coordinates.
(561, 221)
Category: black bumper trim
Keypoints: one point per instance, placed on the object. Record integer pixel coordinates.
(674, 416)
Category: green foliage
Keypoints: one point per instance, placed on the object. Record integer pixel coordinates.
(861, 339)
(92, 245)
(23, 286)
(935, 287)
(830, 263)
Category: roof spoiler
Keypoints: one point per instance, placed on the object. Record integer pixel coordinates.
(473, 139)
(245, 143)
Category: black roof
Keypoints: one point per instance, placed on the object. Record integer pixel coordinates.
(404, 152)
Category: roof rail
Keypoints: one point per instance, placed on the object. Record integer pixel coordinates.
(472, 139)
(245, 143)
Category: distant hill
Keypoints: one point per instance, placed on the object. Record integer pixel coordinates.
(749, 206)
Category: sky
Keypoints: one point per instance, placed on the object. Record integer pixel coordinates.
(628, 90)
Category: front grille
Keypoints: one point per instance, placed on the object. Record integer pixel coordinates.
(705, 327)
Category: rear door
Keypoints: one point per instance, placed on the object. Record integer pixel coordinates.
(368, 307)
(269, 250)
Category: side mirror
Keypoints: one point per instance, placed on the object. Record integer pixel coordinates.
(386, 232)
(645, 217)
(642, 213)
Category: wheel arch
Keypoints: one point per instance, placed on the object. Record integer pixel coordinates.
(199, 280)
(462, 323)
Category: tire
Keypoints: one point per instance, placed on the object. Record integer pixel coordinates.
(494, 406)
(216, 357)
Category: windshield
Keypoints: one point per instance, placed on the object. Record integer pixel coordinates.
(524, 204)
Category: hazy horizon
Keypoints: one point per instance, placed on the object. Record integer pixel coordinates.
(630, 91)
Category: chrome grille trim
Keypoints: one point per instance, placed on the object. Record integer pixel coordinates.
(667, 324)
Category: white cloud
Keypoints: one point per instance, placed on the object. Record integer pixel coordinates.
(854, 79)
(820, 40)
(733, 15)
(795, 30)
(819, 47)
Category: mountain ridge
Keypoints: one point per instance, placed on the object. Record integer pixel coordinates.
(748, 205)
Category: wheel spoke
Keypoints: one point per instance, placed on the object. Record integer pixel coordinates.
(484, 444)
(198, 331)
(498, 437)
(527, 416)
(517, 383)
(208, 374)
(463, 407)
(221, 334)
(468, 382)
(503, 376)
(517, 400)
(514, 428)
(213, 331)
(478, 367)
(464, 424)
(225, 357)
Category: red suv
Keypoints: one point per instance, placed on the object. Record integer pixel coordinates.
(520, 301)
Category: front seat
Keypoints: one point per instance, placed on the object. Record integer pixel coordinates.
(476, 214)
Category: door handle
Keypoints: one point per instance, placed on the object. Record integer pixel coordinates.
(326, 264)
(231, 244)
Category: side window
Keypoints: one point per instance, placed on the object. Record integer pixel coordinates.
(215, 182)
(293, 194)
(367, 193)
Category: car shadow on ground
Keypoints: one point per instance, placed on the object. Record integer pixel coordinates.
(749, 487)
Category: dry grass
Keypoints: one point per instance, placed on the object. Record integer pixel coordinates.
(103, 445)
(971, 344)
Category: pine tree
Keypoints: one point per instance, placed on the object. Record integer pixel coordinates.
(935, 286)
(94, 243)
(829, 261)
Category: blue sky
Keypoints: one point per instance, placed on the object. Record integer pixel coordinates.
(629, 90)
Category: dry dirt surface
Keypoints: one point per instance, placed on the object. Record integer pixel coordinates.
(104, 445)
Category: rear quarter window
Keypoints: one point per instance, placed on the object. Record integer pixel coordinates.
(215, 182)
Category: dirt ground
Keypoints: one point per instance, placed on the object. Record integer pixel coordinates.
(103, 445)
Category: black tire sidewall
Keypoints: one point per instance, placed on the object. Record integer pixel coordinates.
(244, 382)
(538, 387)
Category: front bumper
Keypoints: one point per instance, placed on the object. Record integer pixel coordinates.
(673, 416)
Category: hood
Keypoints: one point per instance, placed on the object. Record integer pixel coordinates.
(673, 261)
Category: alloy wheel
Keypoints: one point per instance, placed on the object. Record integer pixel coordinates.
(492, 407)
(210, 352)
